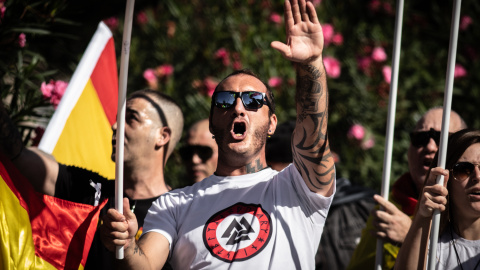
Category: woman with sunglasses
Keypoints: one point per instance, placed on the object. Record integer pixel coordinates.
(459, 202)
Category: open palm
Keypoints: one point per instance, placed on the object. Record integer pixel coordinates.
(304, 33)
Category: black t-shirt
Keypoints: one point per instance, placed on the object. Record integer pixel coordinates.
(74, 184)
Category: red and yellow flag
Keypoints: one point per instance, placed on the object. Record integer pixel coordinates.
(79, 132)
(39, 231)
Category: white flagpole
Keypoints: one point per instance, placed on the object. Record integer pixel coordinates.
(122, 96)
(447, 104)
(392, 104)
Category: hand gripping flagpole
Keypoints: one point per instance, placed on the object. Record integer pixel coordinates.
(392, 102)
(447, 104)
(122, 95)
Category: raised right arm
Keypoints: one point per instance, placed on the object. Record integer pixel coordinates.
(40, 169)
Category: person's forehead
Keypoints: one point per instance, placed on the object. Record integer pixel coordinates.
(242, 82)
(434, 118)
(201, 136)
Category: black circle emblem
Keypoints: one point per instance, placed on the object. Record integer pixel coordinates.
(238, 232)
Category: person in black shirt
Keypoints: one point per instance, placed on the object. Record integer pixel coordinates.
(153, 126)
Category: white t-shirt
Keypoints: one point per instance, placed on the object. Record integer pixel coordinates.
(468, 252)
(264, 220)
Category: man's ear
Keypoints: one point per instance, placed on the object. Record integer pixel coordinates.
(273, 124)
(163, 136)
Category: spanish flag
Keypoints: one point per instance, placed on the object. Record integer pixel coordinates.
(39, 231)
(79, 132)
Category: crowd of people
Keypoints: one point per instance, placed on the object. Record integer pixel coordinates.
(265, 195)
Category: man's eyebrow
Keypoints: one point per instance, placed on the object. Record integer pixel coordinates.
(132, 111)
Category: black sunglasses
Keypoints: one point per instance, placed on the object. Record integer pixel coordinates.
(204, 152)
(463, 170)
(421, 138)
(251, 100)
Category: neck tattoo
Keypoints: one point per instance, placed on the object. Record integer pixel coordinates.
(456, 252)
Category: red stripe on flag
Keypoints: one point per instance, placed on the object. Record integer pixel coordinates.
(105, 80)
(62, 230)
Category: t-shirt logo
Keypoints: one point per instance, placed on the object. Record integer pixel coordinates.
(238, 232)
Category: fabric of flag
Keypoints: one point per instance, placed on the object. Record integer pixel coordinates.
(79, 132)
(39, 231)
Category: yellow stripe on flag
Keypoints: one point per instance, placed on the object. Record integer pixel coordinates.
(80, 136)
(16, 248)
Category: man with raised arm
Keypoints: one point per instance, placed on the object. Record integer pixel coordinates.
(246, 215)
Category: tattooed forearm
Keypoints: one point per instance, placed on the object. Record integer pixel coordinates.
(309, 91)
(255, 166)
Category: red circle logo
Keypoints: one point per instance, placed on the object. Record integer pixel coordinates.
(238, 232)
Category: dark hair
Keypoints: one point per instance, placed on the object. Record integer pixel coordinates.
(279, 145)
(250, 73)
(458, 143)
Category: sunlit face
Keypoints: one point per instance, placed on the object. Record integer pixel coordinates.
(141, 125)
(465, 195)
(420, 159)
(198, 167)
(238, 131)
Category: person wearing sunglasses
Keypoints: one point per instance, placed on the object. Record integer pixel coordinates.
(246, 215)
(153, 126)
(459, 202)
(391, 223)
(200, 152)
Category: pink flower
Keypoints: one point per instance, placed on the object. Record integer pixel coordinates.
(237, 65)
(388, 8)
(374, 5)
(2, 11)
(53, 91)
(22, 40)
(379, 55)
(332, 67)
(210, 85)
(465, 21)
(165, 71)
(151, 78)
(111, 22)
(364, 63)
(274, 82)
(47, 89)
(460, 71)
(367, 144)
(356, 132)
(328, 33)
(149, 75)
(387, 74)
(223, 54)
(337, 39)
(142, 18)
(275, 18)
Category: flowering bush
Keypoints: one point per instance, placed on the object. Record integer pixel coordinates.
(184, 48)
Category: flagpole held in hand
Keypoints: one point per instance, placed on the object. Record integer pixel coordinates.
(447, 104)
(122, 96)
(392, 102)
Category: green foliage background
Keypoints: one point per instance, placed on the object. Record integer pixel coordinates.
(187, 34)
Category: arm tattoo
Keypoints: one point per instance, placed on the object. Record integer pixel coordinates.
(315, 150)
(138, 250)
(253, 168)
